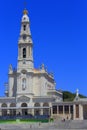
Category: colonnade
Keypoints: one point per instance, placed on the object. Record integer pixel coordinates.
(75, 111)
(63, 111)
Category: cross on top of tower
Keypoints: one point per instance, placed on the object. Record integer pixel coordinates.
(25, 11)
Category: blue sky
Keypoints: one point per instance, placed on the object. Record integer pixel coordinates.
(59, 32)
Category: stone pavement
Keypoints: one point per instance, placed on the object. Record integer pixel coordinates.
(57, 125)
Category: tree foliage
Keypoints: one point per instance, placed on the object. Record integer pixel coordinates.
(68, 96)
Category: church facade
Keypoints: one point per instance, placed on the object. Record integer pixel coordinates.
(29, 87)
(32, 91)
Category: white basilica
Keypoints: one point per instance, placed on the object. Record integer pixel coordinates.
(27, 86)
(32, 91)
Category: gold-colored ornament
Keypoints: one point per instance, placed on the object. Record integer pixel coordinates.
(25, 11)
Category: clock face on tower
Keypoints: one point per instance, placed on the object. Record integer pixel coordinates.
(24, 36)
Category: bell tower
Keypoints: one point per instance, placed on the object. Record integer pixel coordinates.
(25, 45)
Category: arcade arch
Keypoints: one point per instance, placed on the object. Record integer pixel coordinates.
(24, 110)
(13, 110)
(46, 110)
(4, 111)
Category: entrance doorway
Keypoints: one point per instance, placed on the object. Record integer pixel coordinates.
(37, 110)
(24, 110)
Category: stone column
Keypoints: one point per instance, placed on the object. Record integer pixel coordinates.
(29, 110)
(63, 110)
(32, 111)
(18, 105)
(27, 52)
(17, 111)
(41, 108)
(57, 110)
(0, 111)
(50, 105)
(8, 112)
(74, 112)
(69, 110)
(51, 111)
(81, 112)
(69, 113)
(41, 111)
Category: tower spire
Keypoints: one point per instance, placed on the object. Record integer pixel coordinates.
(25, 11)
(25, 45)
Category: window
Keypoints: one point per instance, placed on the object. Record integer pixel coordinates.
(24, 52)
(60, 109)
(24, 27)
(66, 108)
(24, 84)
(54, 109)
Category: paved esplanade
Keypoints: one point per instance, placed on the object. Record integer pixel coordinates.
(57, 125)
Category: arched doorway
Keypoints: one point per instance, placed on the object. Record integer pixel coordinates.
(24, 110)
(37, 110)
(4, 111)
(13, 111)
(45, 110)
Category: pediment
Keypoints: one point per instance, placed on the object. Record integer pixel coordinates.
(23, 99)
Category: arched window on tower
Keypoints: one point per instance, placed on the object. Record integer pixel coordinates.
(24, 27)
(24, 52)
(23, 84)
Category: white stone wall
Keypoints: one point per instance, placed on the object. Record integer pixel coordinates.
(43, 88)
(40, 85)
(29, 84)
(36, 85)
